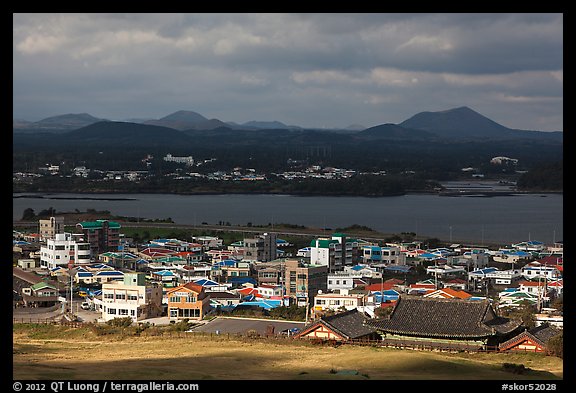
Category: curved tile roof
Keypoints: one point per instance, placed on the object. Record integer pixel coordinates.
(449, 318)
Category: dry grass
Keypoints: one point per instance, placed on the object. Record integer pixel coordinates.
(70, 354)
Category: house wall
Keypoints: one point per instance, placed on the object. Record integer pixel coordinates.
(187, 304)
(323, 333)
(135, 301)
(527, 345)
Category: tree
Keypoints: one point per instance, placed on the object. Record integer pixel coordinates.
(28, 215)
(556, 345)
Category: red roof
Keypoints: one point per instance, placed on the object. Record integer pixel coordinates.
(552, 260)
(378, 287)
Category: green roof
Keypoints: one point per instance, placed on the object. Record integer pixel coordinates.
(98, 224)
(42, 284)
(323, 243)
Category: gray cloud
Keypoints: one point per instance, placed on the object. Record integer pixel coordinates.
(312, 70)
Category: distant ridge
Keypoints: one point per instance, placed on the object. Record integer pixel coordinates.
(461, 123)
(69, 121)
(465, 123)
(129, 134)
(394, 131)
(187, 120)
(270, 125)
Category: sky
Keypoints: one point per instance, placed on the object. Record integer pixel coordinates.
(315, 70)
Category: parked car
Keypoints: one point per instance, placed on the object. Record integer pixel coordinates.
(85, 306)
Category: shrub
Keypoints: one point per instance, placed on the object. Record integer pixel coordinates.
(515, 368)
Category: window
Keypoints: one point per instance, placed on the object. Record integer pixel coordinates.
(132, 297)
(122, 311)
(112, 311)
(132, 313)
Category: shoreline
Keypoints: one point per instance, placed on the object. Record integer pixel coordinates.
(445, 193)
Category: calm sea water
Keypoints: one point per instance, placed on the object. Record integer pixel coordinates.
(500, 219)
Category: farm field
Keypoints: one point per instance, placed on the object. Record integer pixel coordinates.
(49, 352)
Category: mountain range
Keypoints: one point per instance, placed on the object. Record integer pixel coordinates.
(460, 123)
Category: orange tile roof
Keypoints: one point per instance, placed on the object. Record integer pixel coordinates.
(450, 293)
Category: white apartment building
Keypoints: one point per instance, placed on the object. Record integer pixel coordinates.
(132, 297)
(336, 252)
(64, 250)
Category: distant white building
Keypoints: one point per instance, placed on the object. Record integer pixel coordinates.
(503, 160)
(181, 160)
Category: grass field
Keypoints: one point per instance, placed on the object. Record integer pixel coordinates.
(49, 352)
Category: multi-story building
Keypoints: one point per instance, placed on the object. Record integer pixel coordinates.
(64, 250)
(262, 248)
(303, 281)
(103, 235)
(336, 252)
(132, 297)
(50, 227)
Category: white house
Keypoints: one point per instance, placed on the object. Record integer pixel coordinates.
(269, 291)
(504, 277)
(342, 280)
(131, 297)
(536, 269)
(338, 301)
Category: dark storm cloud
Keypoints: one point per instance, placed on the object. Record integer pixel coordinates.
(307, 69)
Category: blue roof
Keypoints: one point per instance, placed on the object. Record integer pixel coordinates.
(227, 262)
(85, 274)
(484, 271)
(205, 283)
(164, 273)
(100, 266)
(110, 273)
(242, 280)
(266, 304)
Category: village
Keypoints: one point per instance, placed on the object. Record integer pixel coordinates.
(337, 289)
